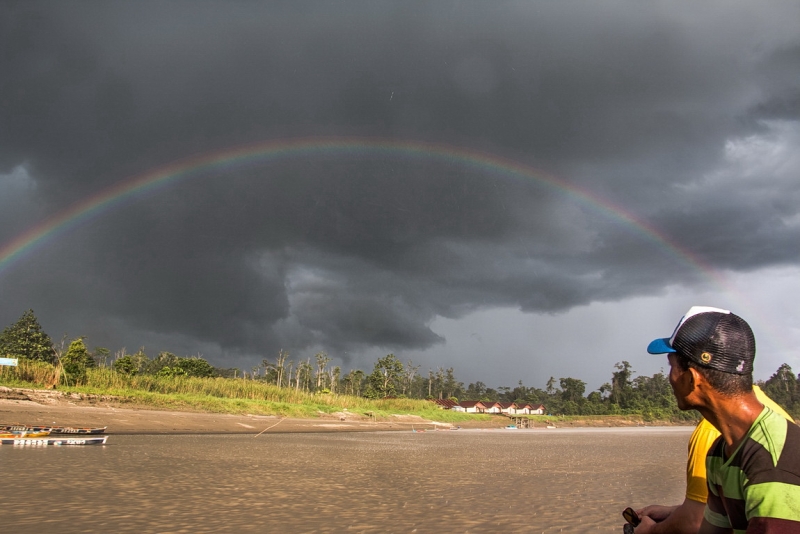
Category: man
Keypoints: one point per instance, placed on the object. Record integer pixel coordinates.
(753, 468)
(686, 517)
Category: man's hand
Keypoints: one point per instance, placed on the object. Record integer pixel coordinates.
(656, 512)
(683, 519)
(646, 526)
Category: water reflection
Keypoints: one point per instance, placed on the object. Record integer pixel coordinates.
(461, 481)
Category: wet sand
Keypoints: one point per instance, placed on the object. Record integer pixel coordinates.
(48, 407)
(148, 421)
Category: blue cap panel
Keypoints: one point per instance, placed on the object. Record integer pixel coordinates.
(660, 346)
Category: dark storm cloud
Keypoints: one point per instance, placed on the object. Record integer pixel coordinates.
(646, 106)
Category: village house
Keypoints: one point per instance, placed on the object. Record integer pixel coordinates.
(523, 408)
(472, 406)
(491, 407)
(537, 410)
(447, 404)
(508, 407)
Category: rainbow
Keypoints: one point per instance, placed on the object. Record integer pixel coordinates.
(260, 154)
(140, 186)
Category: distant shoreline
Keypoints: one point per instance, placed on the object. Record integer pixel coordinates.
(48, 407)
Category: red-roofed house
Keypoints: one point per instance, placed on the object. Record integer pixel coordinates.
(491, 407)
(523, 408)
(508, 407)
(473, 406)
(447, 404)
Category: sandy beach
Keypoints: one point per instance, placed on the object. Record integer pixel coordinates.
(51, 407)
(44, 407)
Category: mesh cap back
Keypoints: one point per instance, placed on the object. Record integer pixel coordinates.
(721, 341)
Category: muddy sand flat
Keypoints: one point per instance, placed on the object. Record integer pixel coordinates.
(42, 407)
(51, 407)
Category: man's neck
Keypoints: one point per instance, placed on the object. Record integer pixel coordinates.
(732, 416)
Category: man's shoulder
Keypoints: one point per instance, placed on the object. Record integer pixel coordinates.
(774, 432)
(773, 443)
(771, 404)
(789, 460)
(773, 483)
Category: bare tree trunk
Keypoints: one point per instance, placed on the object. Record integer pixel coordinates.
(411, 372)
(280, 367)
(289, 368)
(322, 363)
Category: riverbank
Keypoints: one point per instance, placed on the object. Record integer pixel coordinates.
(52, 407)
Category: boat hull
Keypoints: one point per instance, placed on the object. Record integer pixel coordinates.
(18, 434)
(52, 429)
(42, 442)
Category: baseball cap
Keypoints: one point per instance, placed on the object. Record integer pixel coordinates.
(713, 338)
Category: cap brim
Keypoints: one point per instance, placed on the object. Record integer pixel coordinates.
(660, 346)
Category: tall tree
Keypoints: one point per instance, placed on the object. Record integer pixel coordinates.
(476, 391)
(408, 376)
(280, 367)
(621, 384)
(333, 375)
(100, 356)
(165, 360)
(352, 382)
(289, 369)
(451, 386)
(195, 366)
(78, 354)
(385, 378)
(75, 361)
(782, 387)
(551, 386)
(322, 362)
(303, 374)
(26, 339)
(277, 371)
(131, 364)
(572, 389)
(438, 382)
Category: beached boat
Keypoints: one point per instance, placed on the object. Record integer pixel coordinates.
(15, 434)
(52, 429)
(42, 442)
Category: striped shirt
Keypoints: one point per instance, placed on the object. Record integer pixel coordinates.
(702, 439)
(759, 485)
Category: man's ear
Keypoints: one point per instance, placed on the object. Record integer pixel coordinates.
(696, 378)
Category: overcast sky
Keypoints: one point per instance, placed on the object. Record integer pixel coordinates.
(657, 146)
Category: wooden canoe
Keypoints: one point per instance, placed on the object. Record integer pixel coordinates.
(52, 429)
(42, 442)
(24, 434)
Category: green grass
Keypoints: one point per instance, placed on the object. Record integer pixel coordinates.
(225, 395)
(238, 396)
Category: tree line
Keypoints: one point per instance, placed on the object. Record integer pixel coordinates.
(622, 394)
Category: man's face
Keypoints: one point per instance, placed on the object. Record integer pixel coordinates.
(681, 382)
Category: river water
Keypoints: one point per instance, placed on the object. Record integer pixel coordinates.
(543, 480)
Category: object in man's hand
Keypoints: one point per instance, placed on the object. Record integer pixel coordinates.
(627, 528)
(631, 517)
